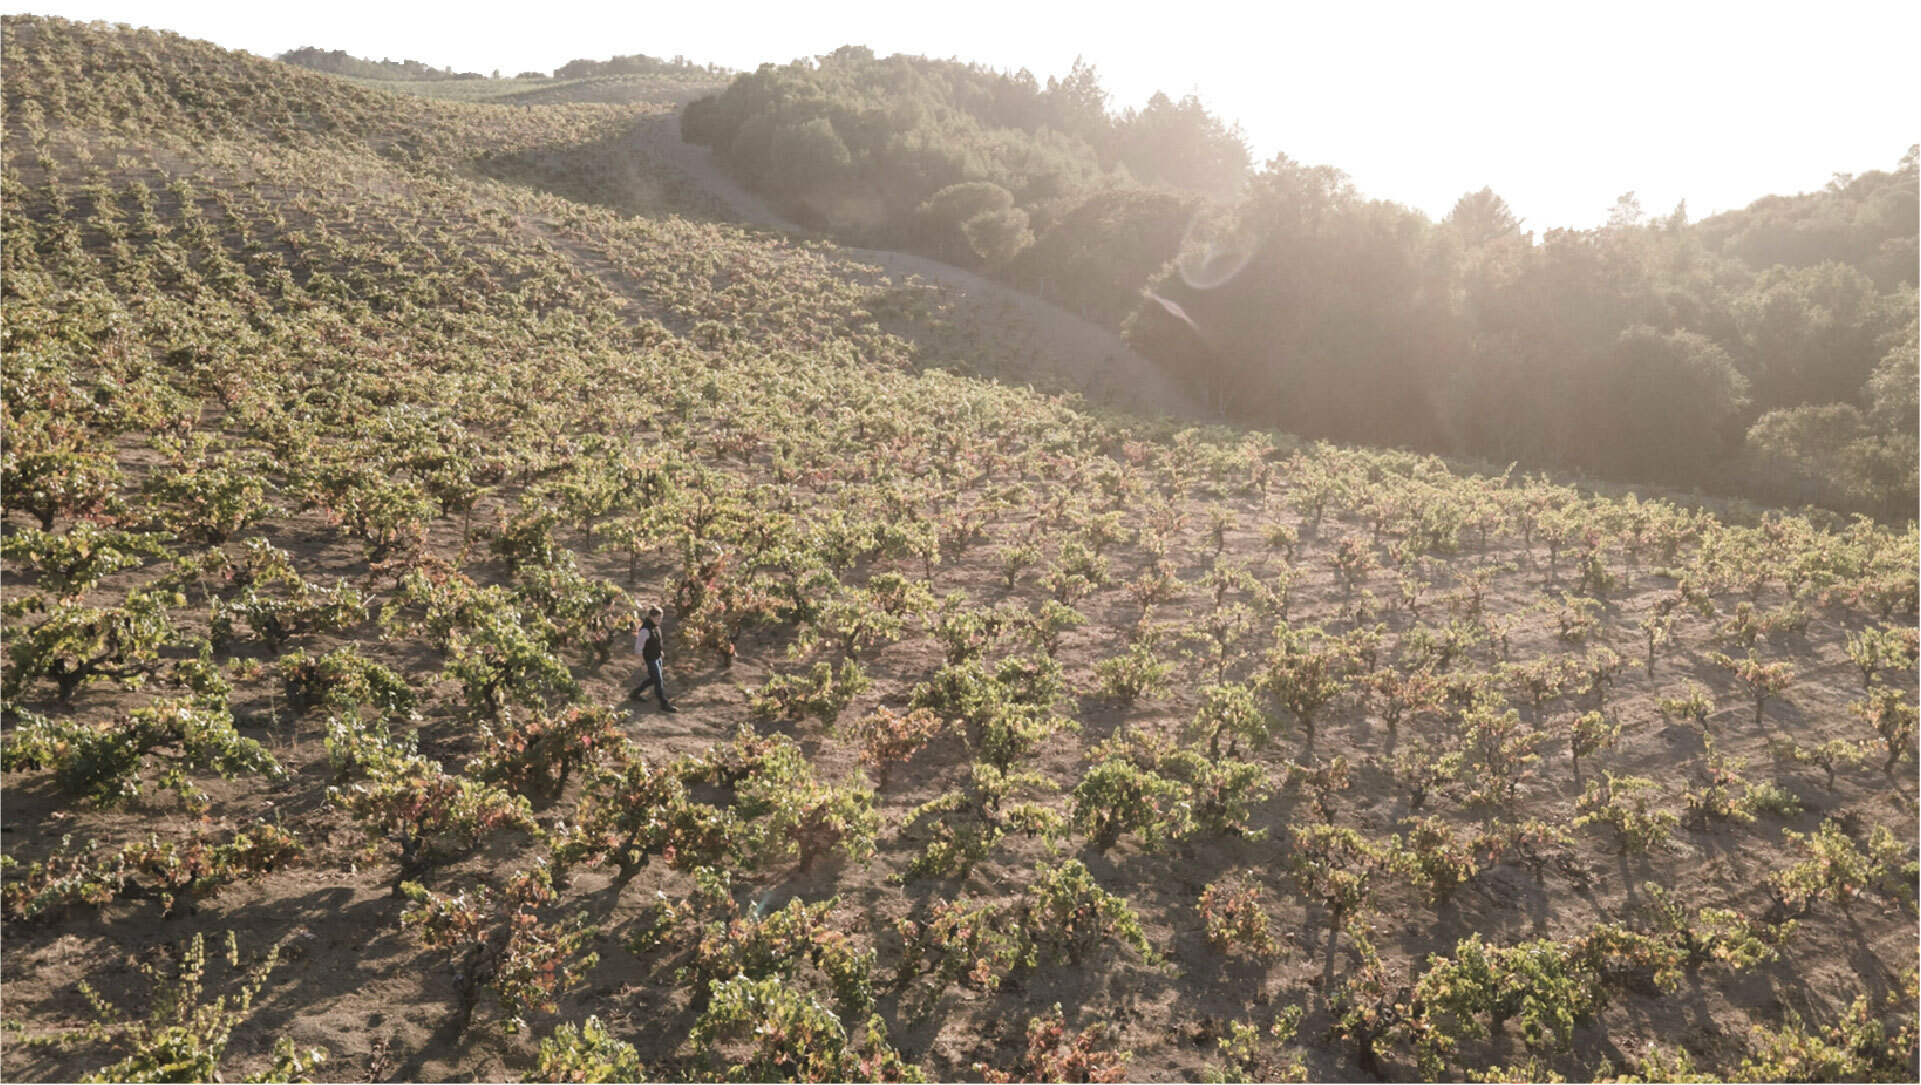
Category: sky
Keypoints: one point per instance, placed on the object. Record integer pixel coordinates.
(1561, 107)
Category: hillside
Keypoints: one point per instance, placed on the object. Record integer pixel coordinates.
(612, 89)
(1767, 353)
(1019, 737)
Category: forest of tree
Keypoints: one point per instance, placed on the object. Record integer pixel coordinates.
(341, 62)
(1039, 184)
(1768, 352)
(637, 64)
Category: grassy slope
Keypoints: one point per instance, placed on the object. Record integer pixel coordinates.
(615, 89)
(351, 298)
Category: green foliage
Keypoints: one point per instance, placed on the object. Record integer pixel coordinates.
(822, 693)
(426, 814)
(1499, 749)
(343, 680)
(1839, 870)
(1065, 914)
(635, 811)
(1055, 1054)
(1244, 1061)
(237, 293)
(589, 1055)
(797, 944)
(51, 471)
(1438, 860)
(967, 823)
(787, 813)
(1858, 1045)
(183, 1037)
(887, 738)
(74, 645)
(1590, 733)
(277, 618)
(538, 753)
(175, 872)
(1696, 706)
(104, 762)
(1304, 673)
(1117, 796)
(1334, 867)
(1138, 673)
(505, 945)
(1716, 799)
(765, 1030)
(1008, 711)
(1418, 771)
(1763, 680)
(1231, 711)
(957, 941)
(1235, 919)
(1626, 804)
(1894, 721)
(210, 497)
(501, 664)
(71, 563)
(1539, 984)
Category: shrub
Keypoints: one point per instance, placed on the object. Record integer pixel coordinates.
(1541, 984)
(184, 1038)
(1437, 860)
(74, 645)
(588, 1055)
(1838, 870)
(785, 813)
(1231, 711)
(526, 961)
(1235, 919)
(1065, 914)
(1893, 718)
(1243, 1059)
(427, 815)
(957, 941)
(1054, 1054)
(104, 762)
(888, 738)
(343, 680)
(1304, 678)
(1624, 803)
(539, 752)
(1117, 796)
(637, 811)
(1138, 673)
(1334, 866)
(822, 693)
(764, 1030)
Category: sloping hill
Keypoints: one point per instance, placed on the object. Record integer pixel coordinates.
(1088, 357)
(341, 451)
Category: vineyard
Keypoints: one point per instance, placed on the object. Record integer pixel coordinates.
(349, 432)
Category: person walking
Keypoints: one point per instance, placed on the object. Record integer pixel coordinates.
(647, 644)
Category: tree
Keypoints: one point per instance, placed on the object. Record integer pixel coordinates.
(1183, 145)
(1481, 217)
(1664, 404)
(809, 155)
(1810, 334)
(961, 220)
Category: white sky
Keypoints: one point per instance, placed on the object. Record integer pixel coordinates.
(1560, 106)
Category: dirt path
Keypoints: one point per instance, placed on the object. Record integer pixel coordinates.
(1082, 354)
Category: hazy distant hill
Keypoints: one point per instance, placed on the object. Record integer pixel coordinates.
(347, 435)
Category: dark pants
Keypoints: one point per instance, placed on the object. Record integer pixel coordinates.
(656, 680)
